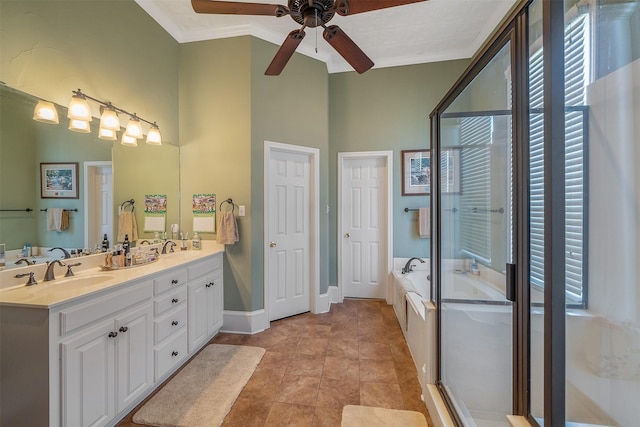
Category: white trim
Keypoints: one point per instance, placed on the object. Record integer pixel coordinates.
(314, 221)
(244, 322)
(334, 295)
(85, 193)
(436, 407)
(388, 157)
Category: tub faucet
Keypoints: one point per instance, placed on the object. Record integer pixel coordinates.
(27, 261)
(408, 267)
(145, 241)
(48, 276)
(67, 255)
(164, 246)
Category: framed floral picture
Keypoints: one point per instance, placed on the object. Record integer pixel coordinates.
(59, 180)
(416, 172)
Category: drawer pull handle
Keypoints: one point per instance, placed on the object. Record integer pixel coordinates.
(174, 301)
(123, 329)
(174, 281)
(174, 323)
(210, 284)
(113, 334)
(174, 353)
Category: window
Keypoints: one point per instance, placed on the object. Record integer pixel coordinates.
(577, 77)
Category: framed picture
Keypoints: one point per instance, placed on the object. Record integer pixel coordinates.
(416, 172)
(450, 170)
(59, 180)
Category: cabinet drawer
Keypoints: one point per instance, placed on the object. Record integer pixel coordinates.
(170, 301)
(83, 314)
(204, 267)
(170, 353)
(170, 323)
(169, 280)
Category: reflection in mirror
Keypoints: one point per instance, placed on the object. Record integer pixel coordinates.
(26, 143)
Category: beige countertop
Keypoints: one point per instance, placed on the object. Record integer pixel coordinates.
(88, 279)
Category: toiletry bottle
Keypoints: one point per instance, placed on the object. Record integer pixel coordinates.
(195, 243)
(105, 243)
(474, 266)
(156, 237)
(126, 244)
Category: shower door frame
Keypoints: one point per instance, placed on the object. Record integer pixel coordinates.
(513, 30)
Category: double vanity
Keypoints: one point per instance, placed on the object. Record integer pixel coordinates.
(85, 350)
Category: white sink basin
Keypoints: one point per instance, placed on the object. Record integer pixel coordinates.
(86, 280)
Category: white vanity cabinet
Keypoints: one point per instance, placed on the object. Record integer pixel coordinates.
(205, 301)
(89, 359)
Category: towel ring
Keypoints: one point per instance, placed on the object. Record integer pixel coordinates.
(230, 201)
(127, 203)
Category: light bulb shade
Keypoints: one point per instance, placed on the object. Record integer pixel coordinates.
(45, 112)
(134, 129)
(107, 134)
(128, 141)
(79, 109)
(79, 126)
(154, 137)
(109, 120)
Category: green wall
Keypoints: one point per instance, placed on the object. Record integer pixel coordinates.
(386, 109)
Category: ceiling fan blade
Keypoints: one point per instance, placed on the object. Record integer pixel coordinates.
(351, 7)
(238, 8)
(285, 53)
(346, 47)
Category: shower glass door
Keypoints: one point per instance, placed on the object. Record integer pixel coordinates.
(476, 246)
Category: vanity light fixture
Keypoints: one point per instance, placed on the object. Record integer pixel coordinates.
(107, 134)
(45, 112)
(79, 115)
(134, 130)
(128, 141)
(154, 137)
(81, 126)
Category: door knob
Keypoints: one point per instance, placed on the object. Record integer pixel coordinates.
(347, 235)
(272, 244)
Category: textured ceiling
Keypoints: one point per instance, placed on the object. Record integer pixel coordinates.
(431, 31)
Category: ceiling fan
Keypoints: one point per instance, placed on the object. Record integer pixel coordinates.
(309, 14)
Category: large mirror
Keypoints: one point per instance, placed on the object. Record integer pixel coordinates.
(130, 172)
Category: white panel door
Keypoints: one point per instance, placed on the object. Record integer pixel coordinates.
(288, 233)
(364, 226)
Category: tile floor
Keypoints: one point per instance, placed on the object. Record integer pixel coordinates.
(316, 364)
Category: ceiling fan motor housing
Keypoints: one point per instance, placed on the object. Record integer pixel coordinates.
(316, 14)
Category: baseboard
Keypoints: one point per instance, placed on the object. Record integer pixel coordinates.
(323, 303)
(334, 294)
(244, 322)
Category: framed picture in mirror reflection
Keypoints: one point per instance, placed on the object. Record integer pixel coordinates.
(59, 180)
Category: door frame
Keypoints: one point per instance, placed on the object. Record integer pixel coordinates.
(314, 221)
(90, 170)
(388, 157)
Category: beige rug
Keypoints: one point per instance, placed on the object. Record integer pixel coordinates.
(204, 391)
(367, 416)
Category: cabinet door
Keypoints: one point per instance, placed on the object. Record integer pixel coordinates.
(198, 303)
(133, 352)
(215, 303)
(88, 376)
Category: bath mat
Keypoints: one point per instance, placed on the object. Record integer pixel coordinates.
(368, 416)
(204, 391)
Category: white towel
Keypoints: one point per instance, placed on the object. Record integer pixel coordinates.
(127, 225)
(57, 219)
(227, 228)
(424, 223)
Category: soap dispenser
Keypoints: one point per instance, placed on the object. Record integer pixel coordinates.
(195, 243)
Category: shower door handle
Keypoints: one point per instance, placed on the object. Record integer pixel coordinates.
(510, 291)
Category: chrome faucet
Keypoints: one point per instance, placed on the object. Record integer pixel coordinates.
(168, 242)
(145, 241)
(31, 281)
(408, 267)
(67, 255)
(25, 260)
(48, 276)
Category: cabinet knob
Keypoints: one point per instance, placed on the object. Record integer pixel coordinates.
(174, 301)
(113, 334)
(174, 353)
(210, 284)
(123, 329)
(174, 323)
(174, 281)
